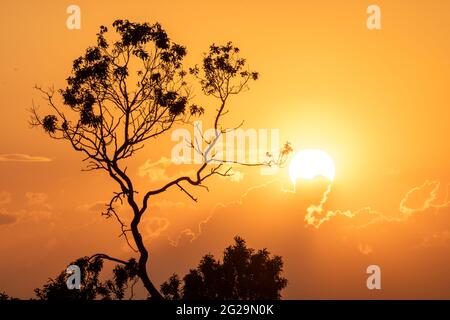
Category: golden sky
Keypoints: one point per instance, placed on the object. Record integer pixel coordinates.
(377, 101)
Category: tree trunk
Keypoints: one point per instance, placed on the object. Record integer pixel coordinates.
(142, 263)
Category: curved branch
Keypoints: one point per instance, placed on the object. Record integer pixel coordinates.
(107, 257)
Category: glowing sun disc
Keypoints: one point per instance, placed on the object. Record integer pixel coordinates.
(311, 163)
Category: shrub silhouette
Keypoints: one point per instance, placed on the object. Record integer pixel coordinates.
(4, 296)
(125, 276)
(244, 274)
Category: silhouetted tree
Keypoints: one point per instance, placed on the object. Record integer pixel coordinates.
(124, 277)
(4, 296)
(244, 274)
(125, 92)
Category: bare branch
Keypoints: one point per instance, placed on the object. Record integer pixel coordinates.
(107, 257)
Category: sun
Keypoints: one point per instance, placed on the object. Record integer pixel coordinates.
(311, 163)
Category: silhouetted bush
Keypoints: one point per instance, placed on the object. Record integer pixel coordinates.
(91, 286)
(244, 274)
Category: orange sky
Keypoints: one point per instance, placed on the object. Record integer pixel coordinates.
(376, 101)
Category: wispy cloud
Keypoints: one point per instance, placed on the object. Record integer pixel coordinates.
(154, 226)
(421, 198)
(97, 207)
(316, 215)
(416, 200)
(189, 235)
(35, 208)
(157, 171)
(21, 157)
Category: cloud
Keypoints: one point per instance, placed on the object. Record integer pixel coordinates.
(35, 215)
(5, 197)
(185, 236)
(157, 170)
(21, 157)
(320, 262)
(36, 199)
(189, 235)
(98, 206)
(315, 213)
(35, 208)
(38, 207)
(6, 218)
(165, 204)
(154, 226)
(416, 200)
(421, 198)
